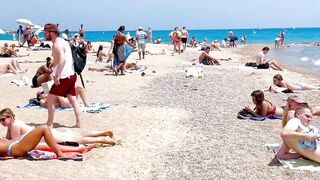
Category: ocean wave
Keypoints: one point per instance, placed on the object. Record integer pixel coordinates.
(304, 58)
(317, 62)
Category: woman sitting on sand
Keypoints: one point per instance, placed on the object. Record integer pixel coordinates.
(264, 63)
(43, 74)
(12, 67)
(17, 129)
(30, 141)
(278, 81)
(100, 54)
(263, 107)
(7, 51)
(63, 102)
(298, 135)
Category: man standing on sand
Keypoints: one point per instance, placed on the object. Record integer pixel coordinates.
(149, 34)
(140, 37)
(184, 37)
(63, 74)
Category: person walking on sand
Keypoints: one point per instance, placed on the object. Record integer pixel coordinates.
(184, 37)
(264, 63)
(63, 74)
(140, 37)
(81, 31)
(149, 34)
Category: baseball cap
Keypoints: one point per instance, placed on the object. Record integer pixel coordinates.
(297, 98)
(51, 27)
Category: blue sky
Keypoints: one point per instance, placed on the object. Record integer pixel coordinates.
(162, 14)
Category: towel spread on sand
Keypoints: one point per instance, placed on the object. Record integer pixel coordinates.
(36, 155)
(23, 81)
(94, 108)
(295, 164)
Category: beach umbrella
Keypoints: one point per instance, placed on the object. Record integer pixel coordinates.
(2, 32)
(25, 22)
(37, 28)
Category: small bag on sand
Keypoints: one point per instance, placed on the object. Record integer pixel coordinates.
(244, 114)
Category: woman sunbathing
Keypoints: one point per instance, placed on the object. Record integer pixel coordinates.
(30, 141)
(43, 74)
(62, 102)
(278, 81)
(300, 136)
(17, 129)
(12, 67)
(263, 106)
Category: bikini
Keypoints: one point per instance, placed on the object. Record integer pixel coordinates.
(10, 147)
(273, 110)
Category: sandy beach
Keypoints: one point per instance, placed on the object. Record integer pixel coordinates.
(170, 126)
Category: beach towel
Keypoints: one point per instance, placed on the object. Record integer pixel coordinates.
(244, 114)
(94, 108)
(47, 154)
(23, 81)
(294, 164)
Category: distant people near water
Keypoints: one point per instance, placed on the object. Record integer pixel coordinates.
(299, 137)
(75, 40)
(263, 62)
(175, 36)
(64, 35)
(26, 37)
(298, 86)
(232, 39)
(141, 36)
(244, 39)
(204, 44)
(158, 41)
(43, 73)
(12, 67)
(149, 34)
(81, 30)
(277, 42)
(215, 46)
(193, 42)
(282, 36)
(184, 37)
(10, 51)
(263, 107)
(206, 59)
(119, 51)
(20, 32)
(225, 43)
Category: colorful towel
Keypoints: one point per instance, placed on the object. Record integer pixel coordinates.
(265, 117)
(94, 108)
(295, 164)
(47, 155)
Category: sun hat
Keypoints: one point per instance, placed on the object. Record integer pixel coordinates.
(297, 98)
(51, 27)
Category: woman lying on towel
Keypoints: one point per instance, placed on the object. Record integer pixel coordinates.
(278, 81)
(17, 129)
(63, 102)
(30, 141)
(263, 107)
(12, 67)
(300, 136)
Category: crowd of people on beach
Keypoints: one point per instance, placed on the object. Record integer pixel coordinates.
(297, 133)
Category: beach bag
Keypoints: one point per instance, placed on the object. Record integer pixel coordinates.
(251, 64)
(244, 114)
(79, 56)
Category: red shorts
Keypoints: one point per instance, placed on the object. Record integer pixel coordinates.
(66, 86)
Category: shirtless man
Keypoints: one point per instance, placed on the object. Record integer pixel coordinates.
(64, 76)
(206, 59)
(264, 63)
(184, 37)
(296, 134)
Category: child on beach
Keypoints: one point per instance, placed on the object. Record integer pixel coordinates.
(264, 63)
(263, 107)
(300, 136)
(17, 129)
(278, 81)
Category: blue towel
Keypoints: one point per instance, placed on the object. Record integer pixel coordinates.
(94, 108)
(265, 117)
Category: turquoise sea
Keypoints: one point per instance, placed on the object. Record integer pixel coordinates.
(303, 50)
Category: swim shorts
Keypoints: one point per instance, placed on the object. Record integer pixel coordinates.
(34, 81)
(184, 40)
(66, 86)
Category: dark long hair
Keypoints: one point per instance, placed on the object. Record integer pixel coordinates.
(99, 49)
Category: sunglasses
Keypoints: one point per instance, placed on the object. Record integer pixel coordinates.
(3, 119)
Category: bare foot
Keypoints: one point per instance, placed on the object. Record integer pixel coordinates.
(108, 133)
(76, 126)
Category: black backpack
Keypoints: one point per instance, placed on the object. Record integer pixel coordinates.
(79, 56)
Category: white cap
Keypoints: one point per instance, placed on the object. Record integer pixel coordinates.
(140, 28)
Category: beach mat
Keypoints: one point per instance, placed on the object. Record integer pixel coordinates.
(94, 108)
(295, 164)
